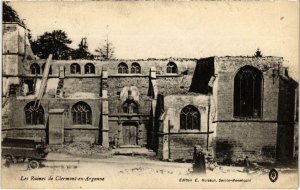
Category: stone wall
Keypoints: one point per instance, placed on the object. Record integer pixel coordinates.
(175, 143)
(181, 146)
(116, 86)
(287, 119)
(174, 85)
(7, 112)
(13, 38)
(226, 69)
(75, 135)
(236, 140)
(36, 134)
(18, 127)
(81, 85)
(286, 99)
(175, 103)
(13, 49)
(186, 66)
(238, 137)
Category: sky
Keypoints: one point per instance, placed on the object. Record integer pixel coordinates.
(173, 29)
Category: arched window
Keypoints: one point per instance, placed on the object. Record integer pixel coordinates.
(34, 115)
(89, 68)
(130, 107)
(247, 92)
(81, 114)
(135, 68)
(50, 69)
(190, 118)
(171, 67)
(75, 68)
(35, 69)
(122, 68)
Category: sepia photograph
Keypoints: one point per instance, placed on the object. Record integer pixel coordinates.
(149, 94)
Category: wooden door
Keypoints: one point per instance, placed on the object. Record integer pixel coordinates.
(129, 134)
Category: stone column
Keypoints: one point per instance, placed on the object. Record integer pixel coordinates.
(105, 128)
(61, 72)
(153, 104)
(120, 133)
(153, 81)
(56, 126)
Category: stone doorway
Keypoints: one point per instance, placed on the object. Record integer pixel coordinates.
(129, 132)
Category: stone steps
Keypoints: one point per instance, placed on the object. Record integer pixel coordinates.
(133, 151)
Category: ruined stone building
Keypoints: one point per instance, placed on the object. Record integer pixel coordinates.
(233, 106)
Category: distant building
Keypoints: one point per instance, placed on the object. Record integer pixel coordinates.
(233, 106)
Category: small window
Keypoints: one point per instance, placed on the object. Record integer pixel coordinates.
(50, 69)
(29, 86)
(171, 67)
(122, 68)
(75, 68)
(13, 88)
(35, 69)
(34, 115)
(81, 114)
(130, 107)
(189, 118)
(135, 68)
(89, 68)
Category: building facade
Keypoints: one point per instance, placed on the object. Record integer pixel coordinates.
(232, 106)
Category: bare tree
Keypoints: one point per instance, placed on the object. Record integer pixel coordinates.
(106, 51)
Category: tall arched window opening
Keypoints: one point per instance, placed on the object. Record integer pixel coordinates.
(248, 92)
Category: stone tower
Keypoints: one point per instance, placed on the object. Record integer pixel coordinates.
(16, 51)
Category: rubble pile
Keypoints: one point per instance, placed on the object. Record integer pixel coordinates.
(84, 149)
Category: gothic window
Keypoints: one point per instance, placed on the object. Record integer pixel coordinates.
(75, 68)
(122, 68)
(50, 69)
(35, 69)
(89, 68)
(34, 115)
(135, 68)
(247, 92)
(190, 118)
(171, 67)
(130, 107)
(81, 114)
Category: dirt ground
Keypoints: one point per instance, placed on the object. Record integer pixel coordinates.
(136, 172)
